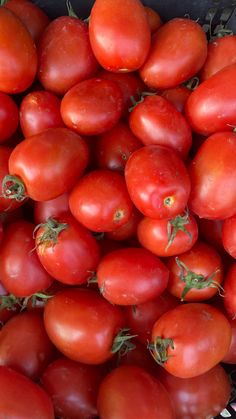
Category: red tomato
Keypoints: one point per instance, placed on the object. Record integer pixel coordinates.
(92, 106)
(67, 250)
(9, 117)
(20, 270)
(46, 165)
(157, 181)
(213, 177)
(229, 235)
(168, 237)
(65, 55)
(211, 232)
(177, 96)
(5, 205)
(51, 209)
(130, 382)
(131, 276)
(73, 388)
(18, 54)
(195, 275)
(119, 41)
(199, 397)
(211, 107)
(230, 357)
(22, 398)
(154, 19)
(100, 201)
(39, 110)
(83, 325)
(230, 291)
(128, 230)
(156, 121)
(25, 346)
(191, 339)
(165, 66)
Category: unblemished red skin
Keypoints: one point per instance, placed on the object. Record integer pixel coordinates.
(52, 208)
(9, 116)
(229, 235)
(177, 96)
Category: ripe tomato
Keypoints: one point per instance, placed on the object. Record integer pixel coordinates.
(22, 398)
(229, 235)
(154, 19)
(20, 270)
(168, 237)
(18, 54)
(165, 66)
(191, 339)
(131, 276)
(230, 357)
(230, 291)
(83, 325)
(157, 181)
(211, 232)
(213, 177)
(128, 230)
(119, 42)
(100, 201)
(156, 121)
(51, 209)
(67, 250)
(130, 382)
(65, 55)
(177, 96)
(9, 117)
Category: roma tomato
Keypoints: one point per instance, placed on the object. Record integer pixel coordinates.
(119, 42)
(83, 325)
(100, 201)
(230, 357)
(46, 165)
(230, 291)
(131, 276)
(177, 96)
(51, 209)
(18, 54)
(130, 382)
(229, 235)
(165, 66)
(213, 177)
(9, 117)
(168, 237)
(157, 181)
(186, 354)
(128, 230)
(22, 398)
(67, 250)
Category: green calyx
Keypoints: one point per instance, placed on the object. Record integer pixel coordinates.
(52, 228)
(177, 224)
(13, 188)
(142, 97)
(159, 349)
(122, 343)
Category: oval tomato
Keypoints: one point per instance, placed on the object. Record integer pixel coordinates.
(177, 96)
(230, 291)
(229, 235)
(9, 117)
(128, 230)
(51, 209)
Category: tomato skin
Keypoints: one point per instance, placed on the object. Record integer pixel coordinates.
(198, 352)
(100, 201)
(52, 208)
(131, 276)
(22, 398)
(156, 121)
(119, 42)
(157, 181)
(154, 20)
(229, 235)
(230, 291)
(20, 270)
(213, 177)
(65, 41)
(165, 66)
(9, 117)
(18, 54)
(211, 232)
(49, 163)
(130, 382)
(82, 325)
(177, 96)
(128, 230)
(211, 107)
(230, 357)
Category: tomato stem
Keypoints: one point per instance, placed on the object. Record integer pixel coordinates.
(13, 188)
(70, 10)
(159, 349)
(52, 229)
(177, 224)
(122, 342)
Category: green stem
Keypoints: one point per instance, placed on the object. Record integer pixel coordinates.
(159, 349)
(13, 188)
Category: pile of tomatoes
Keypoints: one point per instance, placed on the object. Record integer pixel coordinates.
(117, 214)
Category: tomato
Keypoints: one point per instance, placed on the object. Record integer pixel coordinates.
(73, 388)
(140, 318)
(114, 147)
(213, 177)
(8, 308)
(211, 107)
(131, 276)
(190, 339)
(46, 165)
(100, 201)
(157, 181)
(195, 275)
(211, 232)
(154, 19)
(24, 345)
(119, 42)
(221, 53)
(9, 117)
(92, 106)
(52, 208)
(229, 235)
(177, 96)
(22, 398)
(5, 205)
(168, 237)
(199, 397)
(156, 121)
(83, 325)
(67, 250)
(33, 17)
(128, 230)
(20, 270)
(18, 54)
(230, 291)
(65, 55)
(39, 110)
(166, 66)
(130, 382)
